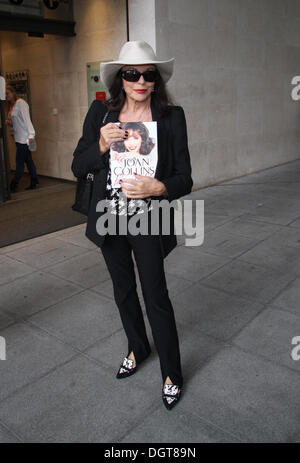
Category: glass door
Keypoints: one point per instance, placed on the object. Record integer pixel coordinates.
(4, 166)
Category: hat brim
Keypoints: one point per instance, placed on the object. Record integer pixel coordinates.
(109, 69)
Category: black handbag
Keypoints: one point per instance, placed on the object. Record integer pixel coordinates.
(84, 189)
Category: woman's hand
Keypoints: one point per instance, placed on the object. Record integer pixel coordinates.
(142, 187)
(110, 133)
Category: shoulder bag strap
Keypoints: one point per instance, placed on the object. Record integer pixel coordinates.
(90, 175)
(105, 117)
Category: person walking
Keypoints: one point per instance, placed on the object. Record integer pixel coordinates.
(24, 134)
(137, 87)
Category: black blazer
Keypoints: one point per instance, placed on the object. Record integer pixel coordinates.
(173, 166)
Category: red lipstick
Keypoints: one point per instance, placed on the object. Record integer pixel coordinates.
(140, 91)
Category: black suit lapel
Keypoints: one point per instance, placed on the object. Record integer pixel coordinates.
(113, 116)
(160, 140)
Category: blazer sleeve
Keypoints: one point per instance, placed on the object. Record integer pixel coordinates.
(87, 157)
(180, 182)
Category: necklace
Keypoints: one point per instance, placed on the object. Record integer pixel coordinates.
(139, 118)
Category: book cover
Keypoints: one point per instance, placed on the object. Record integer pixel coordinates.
(137, 154)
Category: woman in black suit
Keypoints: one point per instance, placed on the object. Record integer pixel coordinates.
(136, 83)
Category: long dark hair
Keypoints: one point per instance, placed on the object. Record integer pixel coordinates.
(160, 97)
(147, 142)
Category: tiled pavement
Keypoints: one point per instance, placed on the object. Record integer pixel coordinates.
(237, 305)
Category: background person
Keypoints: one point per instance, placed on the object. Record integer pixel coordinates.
(23, 131)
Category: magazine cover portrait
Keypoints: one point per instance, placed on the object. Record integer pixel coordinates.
(137, 154)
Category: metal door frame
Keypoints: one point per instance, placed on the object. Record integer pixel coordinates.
(4, 165)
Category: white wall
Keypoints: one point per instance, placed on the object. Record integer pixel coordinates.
(234, 63)
(142, 21)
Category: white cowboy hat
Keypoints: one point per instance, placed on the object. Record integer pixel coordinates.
(135, 52)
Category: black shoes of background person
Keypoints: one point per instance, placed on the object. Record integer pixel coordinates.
(32, 186)
(33, 183)
(13, 186)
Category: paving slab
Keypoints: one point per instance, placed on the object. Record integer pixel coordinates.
(295, 223)
(276, 211)
(270, 335)
(215, 313)
(184, 262)
(11, 269)
(6, 437)
(234, 205)
(289, 298)
(77, 402)
(273, 256)
(34, 292)
(5, 321)
(76, 235)
(80, 320)
(85, 270)
(212, 221)
(249, 280)
(251, 398)
(45, 252)
(178, 428)
(30, 353)
(285, 237)
(221, 243)
(249, 228)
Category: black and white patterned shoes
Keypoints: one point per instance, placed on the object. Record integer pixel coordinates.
(171, 394)
(126, 369)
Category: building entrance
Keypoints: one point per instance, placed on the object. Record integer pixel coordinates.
(4, 163)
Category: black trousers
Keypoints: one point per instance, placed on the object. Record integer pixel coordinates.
(117, 252)
(23, 155)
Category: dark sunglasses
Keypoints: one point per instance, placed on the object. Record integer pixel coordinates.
(132, 75)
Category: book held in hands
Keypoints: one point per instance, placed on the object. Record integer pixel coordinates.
(136, 154)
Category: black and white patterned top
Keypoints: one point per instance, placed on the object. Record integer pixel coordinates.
(118, 200)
